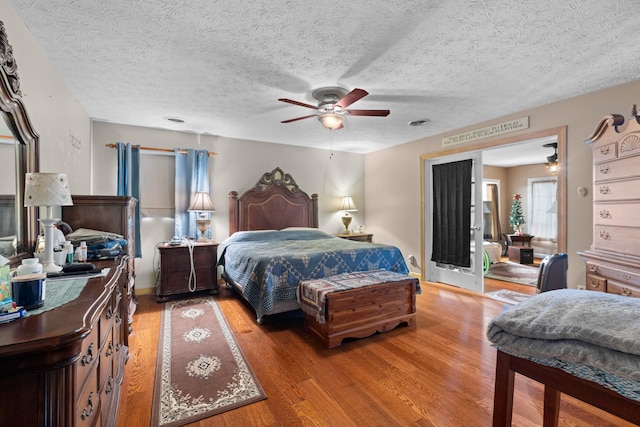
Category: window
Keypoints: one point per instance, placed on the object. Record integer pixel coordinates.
(543, 218)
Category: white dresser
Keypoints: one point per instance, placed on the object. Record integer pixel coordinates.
(613, 261)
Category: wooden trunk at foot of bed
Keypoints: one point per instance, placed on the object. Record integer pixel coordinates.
(362, 312)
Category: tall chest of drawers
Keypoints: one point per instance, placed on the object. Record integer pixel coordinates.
(613, 261)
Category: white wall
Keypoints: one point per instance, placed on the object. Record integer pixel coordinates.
(392, 176)
(238, 166)
(62, 123)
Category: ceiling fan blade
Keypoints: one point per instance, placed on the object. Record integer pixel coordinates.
(381, 113)
(298, 118)
(352, 97)
(301, 104)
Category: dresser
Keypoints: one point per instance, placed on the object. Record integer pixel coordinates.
(64, 367)
(187, 268)
(115, 214)
(613, 260)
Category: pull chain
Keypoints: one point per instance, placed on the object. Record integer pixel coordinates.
(331, 143)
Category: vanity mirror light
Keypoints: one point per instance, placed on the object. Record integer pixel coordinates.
(21, 233)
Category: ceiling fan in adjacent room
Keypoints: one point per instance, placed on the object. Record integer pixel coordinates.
(552, 160)
(332, 106)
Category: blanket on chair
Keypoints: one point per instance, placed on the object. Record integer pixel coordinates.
(593, 335)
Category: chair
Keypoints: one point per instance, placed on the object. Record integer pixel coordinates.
(553, 273)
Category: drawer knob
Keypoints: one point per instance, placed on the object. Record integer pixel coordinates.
(604, 150)
(604, 235)
(604, 189)
(88, 358)
(626, 292)
(594, 284)
(109, 313)
(604, 169)
(593, 268)
(109, 351)
(87, 411)
(605, 214)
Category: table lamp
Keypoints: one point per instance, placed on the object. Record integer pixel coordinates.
(47, 190)
(347, 206)
(201, 202)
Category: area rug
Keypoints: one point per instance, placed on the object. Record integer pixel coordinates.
(507, 296)
(514, 272)
(200, 370)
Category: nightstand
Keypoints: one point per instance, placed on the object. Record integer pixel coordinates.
(359, 237)
(175, 269)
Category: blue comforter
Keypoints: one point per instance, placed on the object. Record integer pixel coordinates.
(267, 266)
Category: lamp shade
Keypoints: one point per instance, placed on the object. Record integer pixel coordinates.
(348, 205)
(201, 202)
(331, 121)
(47, 189)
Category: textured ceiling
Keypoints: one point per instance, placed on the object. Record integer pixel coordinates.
(222, 65)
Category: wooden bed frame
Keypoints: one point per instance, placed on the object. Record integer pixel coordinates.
(274, 203)
(555, 381)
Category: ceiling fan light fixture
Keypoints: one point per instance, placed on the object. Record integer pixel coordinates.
(331, 121)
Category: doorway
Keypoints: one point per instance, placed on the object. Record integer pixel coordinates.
(487, 147)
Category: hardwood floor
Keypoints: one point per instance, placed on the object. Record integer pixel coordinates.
(438, 373)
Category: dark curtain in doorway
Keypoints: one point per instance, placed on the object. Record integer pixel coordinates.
(452, 213)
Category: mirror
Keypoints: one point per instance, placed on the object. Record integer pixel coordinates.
(20, 230)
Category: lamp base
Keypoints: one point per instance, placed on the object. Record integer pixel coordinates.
(48, 266)
(346, 220)
(203, 225)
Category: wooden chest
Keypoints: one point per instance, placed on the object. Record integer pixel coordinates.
(361, 312)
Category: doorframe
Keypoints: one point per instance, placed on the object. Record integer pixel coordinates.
(559, 132)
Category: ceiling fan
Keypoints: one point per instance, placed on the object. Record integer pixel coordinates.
(552, 160)
(332, 106)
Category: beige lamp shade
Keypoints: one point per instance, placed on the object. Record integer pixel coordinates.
(348, 205)
(201, 202)
(47, 189)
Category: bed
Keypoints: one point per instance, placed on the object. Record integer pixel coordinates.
(582, 343)
(274, 243)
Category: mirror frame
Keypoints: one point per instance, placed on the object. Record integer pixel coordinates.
(27, 146)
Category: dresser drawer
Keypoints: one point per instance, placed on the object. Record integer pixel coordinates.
(107, 318)
(616, 169)
(617, 239)
(605, 153)
(625, 289)
(617, 190)
(88, 404)
(618, 214)
(85, 365)
(107, 353)
(596, 283)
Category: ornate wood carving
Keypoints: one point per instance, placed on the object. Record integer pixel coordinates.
(8, 62)
(277, 177)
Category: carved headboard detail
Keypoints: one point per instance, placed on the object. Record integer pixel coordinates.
(274, 203)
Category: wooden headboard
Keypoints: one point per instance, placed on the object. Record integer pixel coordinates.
(274, 203)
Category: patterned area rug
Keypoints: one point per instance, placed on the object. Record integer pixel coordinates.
(200, 371)
(510, 297)
(514, 272)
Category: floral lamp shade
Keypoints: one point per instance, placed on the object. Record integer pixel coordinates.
(47, 189)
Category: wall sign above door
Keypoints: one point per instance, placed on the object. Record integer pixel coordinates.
(499, 129)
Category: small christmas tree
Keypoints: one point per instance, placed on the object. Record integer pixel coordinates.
(516, 217)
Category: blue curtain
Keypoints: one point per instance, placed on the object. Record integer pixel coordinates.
(129, 183)
(192, 175)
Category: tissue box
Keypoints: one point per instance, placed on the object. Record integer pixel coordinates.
(5, 285)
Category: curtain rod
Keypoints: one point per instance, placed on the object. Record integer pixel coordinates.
(166, 150)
